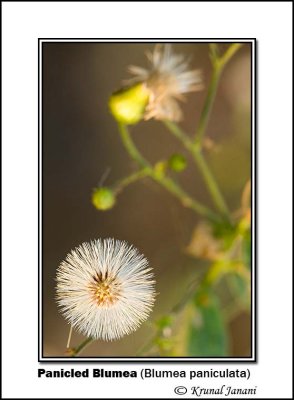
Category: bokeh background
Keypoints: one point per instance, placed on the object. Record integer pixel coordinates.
(82, 150)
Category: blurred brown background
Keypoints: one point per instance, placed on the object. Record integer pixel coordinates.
(81, 145)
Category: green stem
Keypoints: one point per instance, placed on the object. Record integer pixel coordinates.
(164, 181)
(120, 185)
(186, 200)
(218, 66)
(229, 53)
(211, 183)
(146, 347)
(130, 146)
(214, 51)
(77, 350)
(205, 114)
(202, 165)
(179, 134)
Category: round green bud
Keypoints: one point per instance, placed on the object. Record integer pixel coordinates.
(128, 105)
(177, 162)
(103, 198)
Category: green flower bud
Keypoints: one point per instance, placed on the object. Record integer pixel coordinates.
(160, 169)
(128, 105)
(103, 198)
(177, 162)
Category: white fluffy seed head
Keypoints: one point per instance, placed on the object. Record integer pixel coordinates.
(105, 289)
(167, 80)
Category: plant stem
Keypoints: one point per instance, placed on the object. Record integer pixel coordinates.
(130, 146)
(211, 182)
(186, 200)
(229, 53)
(208, 177)
(205, 114)
(120, 185)
(69, 337)
(77, 350)
(166, 182)
(218, 66)
(180, 134)
(146, 347)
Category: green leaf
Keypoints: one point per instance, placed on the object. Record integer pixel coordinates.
(206, 329)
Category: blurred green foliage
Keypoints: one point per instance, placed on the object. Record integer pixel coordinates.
(206, 329)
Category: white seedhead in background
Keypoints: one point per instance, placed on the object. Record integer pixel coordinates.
(167, 80)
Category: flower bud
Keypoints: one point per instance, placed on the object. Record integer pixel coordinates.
(160, 169)
(103, 198)
(128, 105)
(177, 162)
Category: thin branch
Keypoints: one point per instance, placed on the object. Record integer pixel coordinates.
(77, 350)
(200, 161)
(218, 66)
(167, 182)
